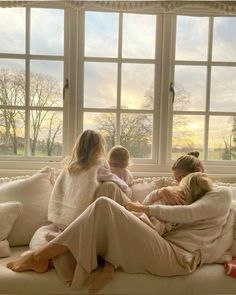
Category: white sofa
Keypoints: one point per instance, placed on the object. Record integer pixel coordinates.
(33, 193)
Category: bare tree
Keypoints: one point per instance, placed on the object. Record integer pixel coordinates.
(44, 93)
(135, 132)
(229, 151)
(12, 93)
(53, 131)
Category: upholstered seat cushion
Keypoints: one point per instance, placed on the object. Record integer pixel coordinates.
(208, 279)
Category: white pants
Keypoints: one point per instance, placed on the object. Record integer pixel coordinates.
(108, 230)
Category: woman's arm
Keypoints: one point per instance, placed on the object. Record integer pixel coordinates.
(104, 174)
(214, 203)
(137, 207)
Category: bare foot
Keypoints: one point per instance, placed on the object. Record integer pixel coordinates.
(28, 261)
(93, 276)
(105, 276)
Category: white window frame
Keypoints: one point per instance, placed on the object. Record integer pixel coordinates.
(223, 166)
(29, 164)
(161, 163)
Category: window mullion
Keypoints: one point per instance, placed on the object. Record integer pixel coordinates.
(119, 77)
(80, 71)
(208, 88)
(27, 84)
(167, 75)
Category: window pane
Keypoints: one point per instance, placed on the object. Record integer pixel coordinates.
(190, 87)
(12, 136)
(136, 134)
(100, 82)
(47, 31)
(191, 38)
(46, 133)
(188, 134)
(103, 122)
(139, 35)
(222, 138)
(46, 83)
(137, 90)
(223, 89)
(12, 30)
(12, 82)
(101, 34)
(224, 39)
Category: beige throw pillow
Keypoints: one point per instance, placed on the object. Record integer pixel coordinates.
(9, 212)
(34, 193)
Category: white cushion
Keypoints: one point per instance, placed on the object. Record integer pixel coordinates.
(143, 186)
(141, 190)
(34, 193)
(9, 212)
(4, 180)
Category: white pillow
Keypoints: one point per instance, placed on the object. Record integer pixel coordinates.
(141, 190)
(34, 193)
(143, 186)
(9, 212)
(4, 180)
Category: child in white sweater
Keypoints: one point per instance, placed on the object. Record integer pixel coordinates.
(191, 188)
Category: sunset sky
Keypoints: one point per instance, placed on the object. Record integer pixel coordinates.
(139, 33)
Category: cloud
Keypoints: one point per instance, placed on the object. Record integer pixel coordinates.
(47, 31)
(192, 38)
(12, 30)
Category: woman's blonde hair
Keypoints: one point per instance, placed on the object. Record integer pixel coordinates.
(188, 163)
(118, 156)
(195, 185)
(88, 147)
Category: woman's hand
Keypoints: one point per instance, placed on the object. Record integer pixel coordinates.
(137, 207)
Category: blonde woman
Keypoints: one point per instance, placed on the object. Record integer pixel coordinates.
(191, 188)
(76, 184)
(75, 187)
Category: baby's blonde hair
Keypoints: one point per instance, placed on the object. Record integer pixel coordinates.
(88, 147)
(195, 185)
(118, 156)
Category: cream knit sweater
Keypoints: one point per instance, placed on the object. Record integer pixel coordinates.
(72, 194)
(206, 226)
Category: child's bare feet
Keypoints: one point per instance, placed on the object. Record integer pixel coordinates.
(28, 261)
(103, 278)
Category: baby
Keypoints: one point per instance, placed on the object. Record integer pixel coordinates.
(115, 170)
(191, 188)
(118, 159)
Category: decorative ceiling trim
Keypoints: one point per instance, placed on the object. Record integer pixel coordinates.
(200, 7)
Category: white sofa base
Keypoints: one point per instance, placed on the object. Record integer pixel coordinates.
(209, 279)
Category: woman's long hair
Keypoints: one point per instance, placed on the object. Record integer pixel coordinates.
(195, 185)
(88, 148)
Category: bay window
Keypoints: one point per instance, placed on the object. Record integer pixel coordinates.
(158, 84)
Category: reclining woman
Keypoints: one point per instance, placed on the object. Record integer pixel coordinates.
(191, 188)
(108, 230)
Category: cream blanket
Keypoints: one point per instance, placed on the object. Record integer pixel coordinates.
(72, 194)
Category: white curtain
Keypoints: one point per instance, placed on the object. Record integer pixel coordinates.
(174, 7)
